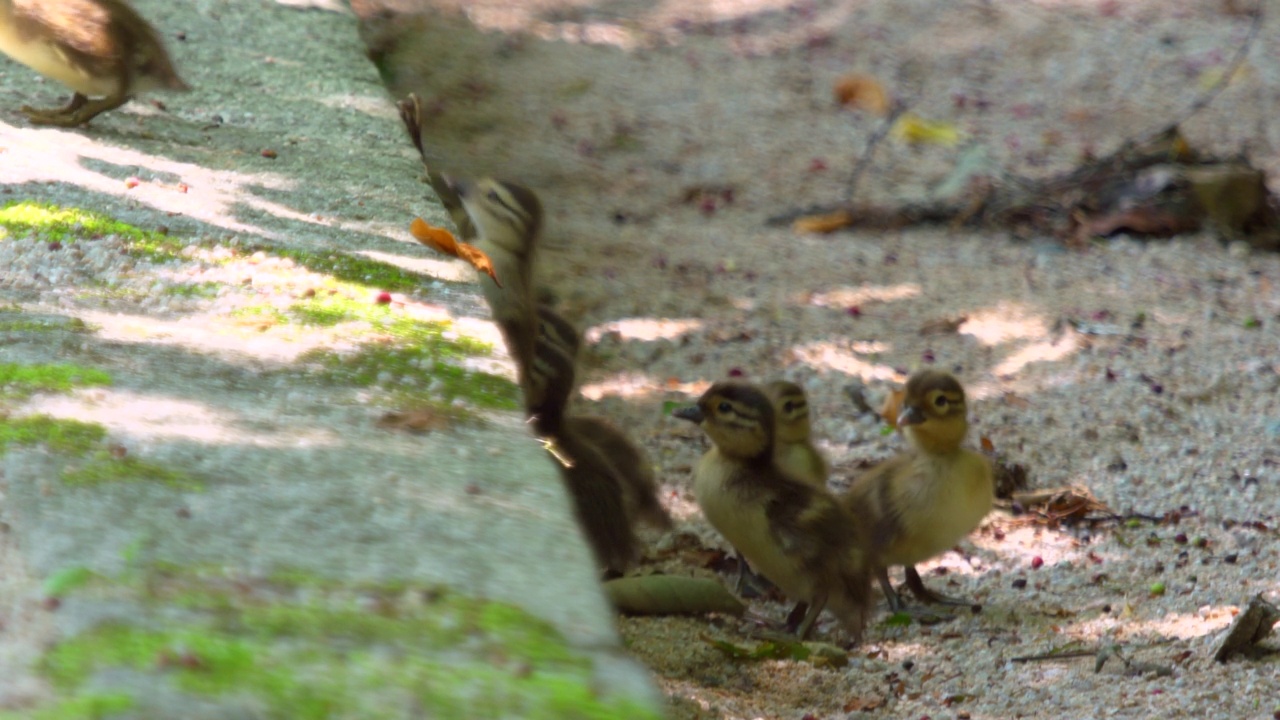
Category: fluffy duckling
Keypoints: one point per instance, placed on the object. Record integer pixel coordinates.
(796, 535)
(794, 450)
(98, 48)
(922, 502)
(553, 370)
(639, 485)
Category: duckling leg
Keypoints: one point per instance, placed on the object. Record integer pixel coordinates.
(77, 112)
(816, 605)
(916, 585)
(890, 595)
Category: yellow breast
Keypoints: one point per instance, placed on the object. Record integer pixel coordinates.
(745, 525)
(48, 59)
(939, 502)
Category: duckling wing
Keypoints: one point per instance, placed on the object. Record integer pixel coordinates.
(873, 501)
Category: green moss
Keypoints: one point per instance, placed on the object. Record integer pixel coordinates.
(70, 436)
(30, 325)
(23, 380)
(321, 653)
(103, 468)
(354, 269)
(193, 290)
(421, 353)
(89, 706)
(53, 223)
(266, 313)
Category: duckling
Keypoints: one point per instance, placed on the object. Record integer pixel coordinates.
(100, 48)
(795, 452)
(599, 503)
(922, 502)
(507, 218)
(796, 535)
(411, 115)
(553, 370)
(635, 469)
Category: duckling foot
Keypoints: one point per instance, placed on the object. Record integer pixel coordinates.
(78, 111)
(749, 584)
(917, 587)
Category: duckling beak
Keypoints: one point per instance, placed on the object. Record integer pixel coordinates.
(693, 414)
(457, 185)
(910, 415)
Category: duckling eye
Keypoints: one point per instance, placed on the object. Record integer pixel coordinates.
(789, 405)
(493, 195)
(724, 407)
(940, 401)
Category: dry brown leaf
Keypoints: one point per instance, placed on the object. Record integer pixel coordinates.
(436, 238)
(423, 420)
(671, 595)
(864, 704)
(892, 407)
(1060, 503)
(478, 260)
(943, 326)
(441, 240)
(862, 92)
(830, 222)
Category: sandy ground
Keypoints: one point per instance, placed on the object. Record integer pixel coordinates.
(661, 137)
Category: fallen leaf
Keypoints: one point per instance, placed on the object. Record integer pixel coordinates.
(916, 130)
(441, 240)
(943, 326)
(892, 407)
(862, 92)
(671, 595)
(423, 420)
(864, 704)
(826, 223)
(478, 260)
(436, 238)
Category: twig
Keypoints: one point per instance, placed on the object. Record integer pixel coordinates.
(1055, 656)
(1208, 96)
(876, 138)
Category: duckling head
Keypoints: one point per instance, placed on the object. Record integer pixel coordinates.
(738, 418)
(791, 411)
(504, 213)
(933, 411)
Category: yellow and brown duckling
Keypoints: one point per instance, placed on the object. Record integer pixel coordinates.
(556, 348)
(796, 535)
(101, 49)
(794, 449)
(922, 502)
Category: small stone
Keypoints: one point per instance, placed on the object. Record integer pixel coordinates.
(269, 154)
(1019, 583)
(1037, 562)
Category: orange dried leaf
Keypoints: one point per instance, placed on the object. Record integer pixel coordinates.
(892, 407)
(987, 445)
(830, 222)
(478, 260)
(436, 238)
(862, 92)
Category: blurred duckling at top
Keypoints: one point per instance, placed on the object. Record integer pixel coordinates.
(922, 502)
(793, 533)
(794, 449)
(100, 49)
